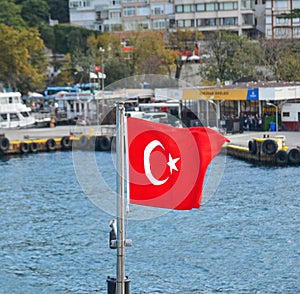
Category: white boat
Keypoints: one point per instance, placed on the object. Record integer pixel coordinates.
(13, 111)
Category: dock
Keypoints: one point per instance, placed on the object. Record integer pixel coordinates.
(268, 148)
(271, 148)
(60, 138)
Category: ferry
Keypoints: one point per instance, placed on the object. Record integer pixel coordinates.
(13, 111)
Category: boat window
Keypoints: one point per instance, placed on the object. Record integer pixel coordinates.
(3, 117)
(10, 99)
(25, 114)
(16, 99)
(14, 117)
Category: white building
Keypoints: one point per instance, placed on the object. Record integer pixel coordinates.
(250, 17)
(207, 16)
(281, 28)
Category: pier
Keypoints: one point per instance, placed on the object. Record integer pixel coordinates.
(61, 138)
(270, 148)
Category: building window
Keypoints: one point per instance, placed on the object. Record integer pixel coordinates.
(282, 21)
(268, 20)
(228, 6)
(129, 11)
(209, 22)
(159, 24)
(281, 4)
(157, 10)
(282, 32)
(179, 8)
(200, 7)
(296, 20)
(211, 6)
(296, 31)
(229, 21)
(188, 8)
(144, 11)
(248, 19)
(247, 4)
(180, 23)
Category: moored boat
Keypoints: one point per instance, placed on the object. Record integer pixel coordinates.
(13, 112)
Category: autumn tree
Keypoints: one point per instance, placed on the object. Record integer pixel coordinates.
(279, 57)
(22, 59)
(180, 41)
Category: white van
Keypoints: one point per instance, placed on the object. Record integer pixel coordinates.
(161, 117)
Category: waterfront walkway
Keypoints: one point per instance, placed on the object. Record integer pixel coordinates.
(292, 138)
(58, 131)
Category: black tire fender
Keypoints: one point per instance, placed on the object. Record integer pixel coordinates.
(33, 147)
(24, 147)
(269, 147)
(51, 145)
(281, 157)
(294, 156)
(103, 143)
(65, 143)
(4, 144)
(252, 145)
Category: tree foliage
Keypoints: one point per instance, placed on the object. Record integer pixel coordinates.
(59, 9)
(35, 12)
(22, 60)
(10, 14)
(280, 58)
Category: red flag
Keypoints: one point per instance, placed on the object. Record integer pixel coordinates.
(97, 68)
(167, 165)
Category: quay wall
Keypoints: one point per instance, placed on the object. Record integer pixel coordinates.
(50, 144)
(266, 151)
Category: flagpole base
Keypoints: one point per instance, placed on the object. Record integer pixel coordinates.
(111, 285)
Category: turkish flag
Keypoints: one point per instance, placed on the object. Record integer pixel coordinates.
(167, 165)
(97, 69)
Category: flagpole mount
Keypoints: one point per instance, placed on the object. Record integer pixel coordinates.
(120, 284)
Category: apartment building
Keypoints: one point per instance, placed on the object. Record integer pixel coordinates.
(250, 17)
(147, 14)
(278, 27)
(212, 15)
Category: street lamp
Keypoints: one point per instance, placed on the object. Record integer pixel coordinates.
(276, 107)
(102, 50)
(207, 110)
(217, 111)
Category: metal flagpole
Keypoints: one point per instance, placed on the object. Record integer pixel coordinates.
(120, 144)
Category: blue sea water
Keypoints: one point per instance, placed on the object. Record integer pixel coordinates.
(54, 239)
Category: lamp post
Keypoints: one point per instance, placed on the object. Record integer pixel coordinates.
(102, 50)
(217, 110)
(276, 107)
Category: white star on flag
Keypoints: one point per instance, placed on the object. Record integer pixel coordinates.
(172, 163)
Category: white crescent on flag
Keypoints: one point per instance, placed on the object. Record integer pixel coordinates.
(149, 148)
(147, 152)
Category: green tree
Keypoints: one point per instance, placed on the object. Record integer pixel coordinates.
(22, 60)
(59, 9)
(10, 14)
(280, 58)
(35, 12)
(232, 57)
